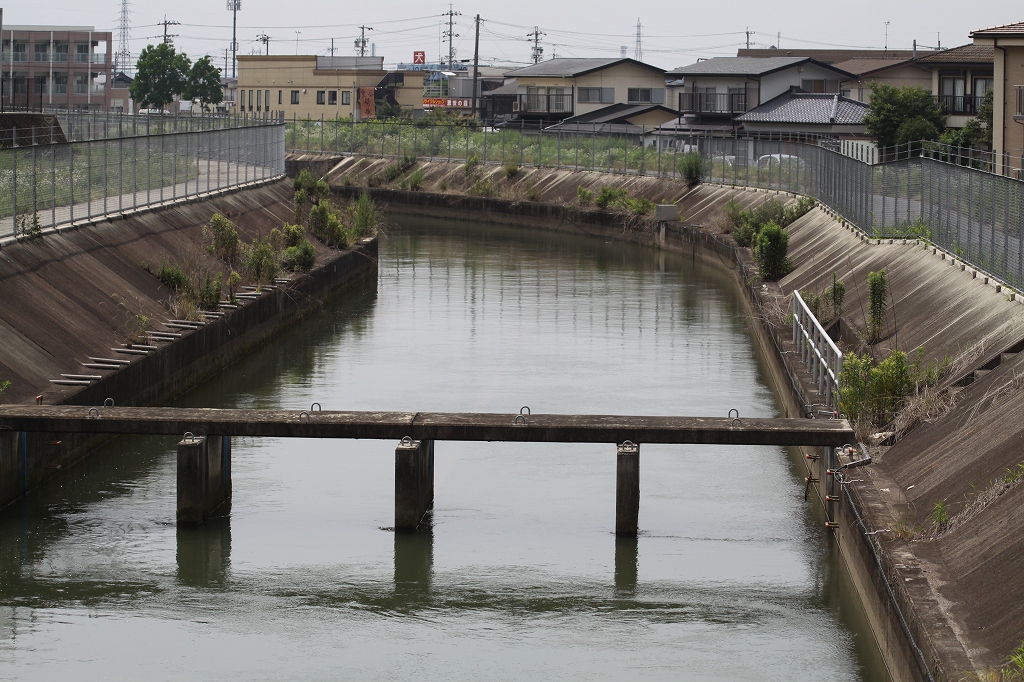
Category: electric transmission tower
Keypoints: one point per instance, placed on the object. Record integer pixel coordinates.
(538, 51)
(639, 52)
(361, 41)
(123, 58)
(450, 34)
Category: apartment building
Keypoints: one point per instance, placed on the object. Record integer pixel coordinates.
(55, 66)
(1007, 45)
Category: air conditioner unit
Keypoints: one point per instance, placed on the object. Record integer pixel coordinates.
(515, 106)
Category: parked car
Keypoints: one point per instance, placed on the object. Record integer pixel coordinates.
(776, 159)
(154, 112)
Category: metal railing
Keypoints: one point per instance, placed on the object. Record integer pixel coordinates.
(545, 104)
(57, 184)
(712, 103)
(817, 351)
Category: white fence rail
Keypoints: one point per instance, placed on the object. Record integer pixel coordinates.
(818, 352)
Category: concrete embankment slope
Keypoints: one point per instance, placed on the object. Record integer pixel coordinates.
(940, 605)
(74, 295)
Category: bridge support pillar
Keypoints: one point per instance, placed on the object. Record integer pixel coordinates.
(414, 482)
(204, 477)
(627, 489)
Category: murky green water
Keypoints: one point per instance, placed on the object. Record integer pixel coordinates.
(518, 576)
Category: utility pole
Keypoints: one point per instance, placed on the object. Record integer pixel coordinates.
(538, 51)
(361, 41)
(297, 41)
(748, 37)
(227, 51)
(886, 48)
(638, 54)
(233, 7)
(476, 64)
(451, 34)
(332, 48)
(265, 39)
(165, 24)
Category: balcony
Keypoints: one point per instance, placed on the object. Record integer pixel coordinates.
(712, 103)
(544, 104)
(959, 105)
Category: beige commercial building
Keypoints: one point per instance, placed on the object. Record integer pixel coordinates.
(308, 86)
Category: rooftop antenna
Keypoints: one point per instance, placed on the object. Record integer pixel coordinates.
(639, 52)
(450, 34)
(233, 7)
(123, 58)
(265, 39)
(886, 48)
(538, 51)
(361, 40)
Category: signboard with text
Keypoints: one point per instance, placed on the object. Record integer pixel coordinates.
(367, 108)
(447, 103)
(419, 57)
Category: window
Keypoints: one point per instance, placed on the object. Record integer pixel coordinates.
(42, 52)
(266, 98)
(259, 100)
(82, 53)
(81, 85)
(20, 52)
(639, 95)
(346, 97)
(279, 97)
(332, 97)
(295, 96)
(60, 52)
(60, 84)
(596, 95)
(250, 100)
(321, 96)
(39, 85)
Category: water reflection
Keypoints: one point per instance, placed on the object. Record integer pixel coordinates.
(204, 551)
(627, 558)
(414, 565)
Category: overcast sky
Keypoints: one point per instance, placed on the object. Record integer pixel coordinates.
(673, 33)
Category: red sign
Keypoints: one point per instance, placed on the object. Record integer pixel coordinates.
(446, 103)
(431, 102)
(367, 110)
(419, 57)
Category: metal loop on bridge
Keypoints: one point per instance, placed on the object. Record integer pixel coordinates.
(406, 440)
(94, 413)
(517, 422)
(735, 421)
(525, 407)
(736, 411)
(189, 437)
(306, 415)
(109, 402)
(317, 405)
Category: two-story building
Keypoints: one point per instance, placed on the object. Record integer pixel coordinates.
(310, 86)
(558, 88)
(1007, 45)
(715, 90)
(55, 66)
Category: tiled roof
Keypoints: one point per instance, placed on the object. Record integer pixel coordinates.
(564, 67)
(829, 56)
(965, 53)
(996, 31)
(805, 107)
(618, 113)
(743, 66)
(862, 66)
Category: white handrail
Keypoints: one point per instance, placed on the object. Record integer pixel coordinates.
(817, 350)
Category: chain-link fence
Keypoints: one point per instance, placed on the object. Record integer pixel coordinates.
(48, 185)
(968, 211)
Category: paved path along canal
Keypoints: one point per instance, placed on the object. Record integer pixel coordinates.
(518, 575)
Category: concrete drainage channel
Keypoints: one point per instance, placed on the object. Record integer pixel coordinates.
(177, 329)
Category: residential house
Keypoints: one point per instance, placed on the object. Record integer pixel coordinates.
(1007, 44)
(120, 93)
(618, 119)
(796, 111)
(715, 90)
(558, 88)
(55, 66)
(310, 86)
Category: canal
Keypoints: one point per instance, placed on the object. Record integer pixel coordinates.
(517, 575)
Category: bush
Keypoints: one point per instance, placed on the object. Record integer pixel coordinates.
(691, 167)
(392, 171)
(832, 298)
(234, 279)
(293, 235)
(511, 170)
(300, 204)
(482, 188)
(325, 225)
(173, 277)
(301, 256)
(639, 205)
(365, 218)
(261, 262)
(854, 386)
(609, 196)
(584, 196)
(890, 383)
(878, 299)
(208, 292)
(222, 237)
(415, 179)
(471, 166)
(802, 207)
(770, 248)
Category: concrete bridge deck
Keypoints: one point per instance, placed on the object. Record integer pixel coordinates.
(525, 428)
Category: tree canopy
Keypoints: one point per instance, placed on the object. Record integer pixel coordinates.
(900, 115)
(204, 83)
(162, 73)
